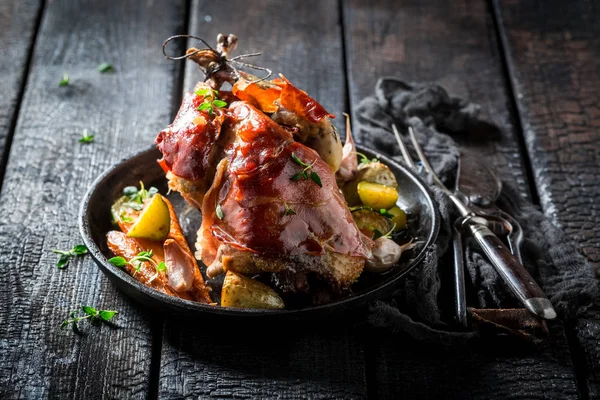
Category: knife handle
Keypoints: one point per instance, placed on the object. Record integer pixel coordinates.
(511, 270)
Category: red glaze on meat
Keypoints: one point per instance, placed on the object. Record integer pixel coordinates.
(256, 190)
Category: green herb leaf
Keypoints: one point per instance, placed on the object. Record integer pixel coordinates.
(107, 315)
(133, 206)
(298, 161)
(316, 178)
(64, 324)
(105, 67)
(145, 254)
(64, 81)
(288, 210)
(206, 106)
(162, 267)
(118, 261)
(219, 103)
(297, 176)
(79, 249)
(377, 234)
(219, 212)
(385, 213)
(89, 310)
(63, 261)
(130, 191)
(203, 92)
(152, 191)
(86, 137)
(125, 218)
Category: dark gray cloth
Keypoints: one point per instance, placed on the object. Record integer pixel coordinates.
(423, 304)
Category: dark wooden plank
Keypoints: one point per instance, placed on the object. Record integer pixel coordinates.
(454, 44)
(18, 21)
(553, 51)
(303, 41)
(47, 174)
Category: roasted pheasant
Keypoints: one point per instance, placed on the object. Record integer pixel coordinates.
(260, 162)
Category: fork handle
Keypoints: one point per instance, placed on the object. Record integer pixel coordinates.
(511, 270)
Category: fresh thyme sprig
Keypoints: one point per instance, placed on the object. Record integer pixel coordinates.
(66, 255)
(64, 81)
(211, 100)
(137, 261)
(137, 197)
(219, 212)
(86, 137)
(91, 314)
(104, 67)
(307, 173)
(366, 160)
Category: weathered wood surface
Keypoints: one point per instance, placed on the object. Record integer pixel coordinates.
(453, 44)
(302, 40)
(553, 54)
(18, 20)
(47, 174)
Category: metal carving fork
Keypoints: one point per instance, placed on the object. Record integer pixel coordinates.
(506, 264)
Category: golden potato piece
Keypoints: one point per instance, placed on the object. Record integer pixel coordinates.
(377, 172)
(242, 292)
(154, 222)
(376, 195)
(371, 220)
(399, 217)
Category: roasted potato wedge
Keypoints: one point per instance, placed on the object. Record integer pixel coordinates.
(377, 172)
(376, 195)
(398, 218)
(371, 220)
(374, 172)
(242, 292)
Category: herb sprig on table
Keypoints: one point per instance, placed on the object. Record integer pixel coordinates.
(90, 314)
(307, 173)
(66, 255)
(86, 137)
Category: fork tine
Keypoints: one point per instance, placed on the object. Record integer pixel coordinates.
(407, 158)
(425, 162)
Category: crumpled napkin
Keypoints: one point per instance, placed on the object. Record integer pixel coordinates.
(423, 304)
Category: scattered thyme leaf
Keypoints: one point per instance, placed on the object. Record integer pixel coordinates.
(86, 137)
(64, 81)
(66, 255)
(105, 67)
(219, 212)
(130, 191)
(162, 267)
(298, 161)
(316, 178)
(385, 213)
(219, 103)
(118, 261)
(90, 313)
(203, 92)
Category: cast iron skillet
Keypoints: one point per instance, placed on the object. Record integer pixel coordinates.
(95, 222)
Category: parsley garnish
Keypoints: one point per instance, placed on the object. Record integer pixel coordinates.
(66, 255)
(307, 173)
(91, 314)
(86, 137)
(105, 67)
(219, 212)
(64, 81)
(211, 100)
(288, 210)
(137, 261)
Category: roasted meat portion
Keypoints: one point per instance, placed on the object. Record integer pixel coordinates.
(260, 163)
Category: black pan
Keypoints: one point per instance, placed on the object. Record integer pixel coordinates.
(95, 222)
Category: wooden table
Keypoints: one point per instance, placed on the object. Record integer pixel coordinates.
(534, 66)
